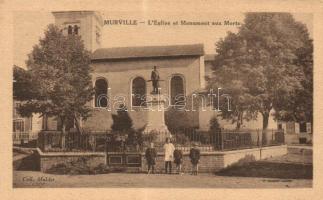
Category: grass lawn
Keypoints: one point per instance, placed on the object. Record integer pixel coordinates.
(290, 166)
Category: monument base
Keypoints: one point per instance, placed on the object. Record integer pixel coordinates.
(156, 119)
(161, 133)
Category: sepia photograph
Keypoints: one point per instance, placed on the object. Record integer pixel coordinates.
(162, 100)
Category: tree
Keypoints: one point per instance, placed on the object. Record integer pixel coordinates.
(23, 87)
(233, 80)
(123, 127)
(121, 121)
(59, 78)
(214, 124)
(177, 119)
(257, 65)
(299, 108)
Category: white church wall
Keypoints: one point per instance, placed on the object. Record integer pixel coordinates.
(202, 72)
(205, 116)
(119, 75)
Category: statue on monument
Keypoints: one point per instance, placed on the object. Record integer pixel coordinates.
(156, 117)
(155, 80)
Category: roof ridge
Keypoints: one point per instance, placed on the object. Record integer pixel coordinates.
(148, 51)
(147, 46)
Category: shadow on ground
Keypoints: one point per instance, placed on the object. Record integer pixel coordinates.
(266, 169)
(26, 162)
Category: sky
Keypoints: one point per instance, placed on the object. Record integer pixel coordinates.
(29, 28)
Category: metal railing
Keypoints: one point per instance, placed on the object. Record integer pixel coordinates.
(216, 140)
(225, 139)
(56, 141)
(18, 136)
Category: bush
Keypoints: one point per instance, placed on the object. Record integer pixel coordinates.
(134, 138)
(121, 121)
(149, 137)
(123, 130)
(181, 138)
(177, 119)
(214, 124)
(78, 167)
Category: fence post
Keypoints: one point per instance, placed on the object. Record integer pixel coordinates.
(218, 139)
(94, 143)
(258, 138)
(105, 141)
(222, 139)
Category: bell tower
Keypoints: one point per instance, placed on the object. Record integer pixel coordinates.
(87, 24)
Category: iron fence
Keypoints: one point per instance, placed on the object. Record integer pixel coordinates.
(225, 139)
(96, 141)
(106, 141)
(18, 137)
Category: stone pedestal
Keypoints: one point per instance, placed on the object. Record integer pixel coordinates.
(156, 118)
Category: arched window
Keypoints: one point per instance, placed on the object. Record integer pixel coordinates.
(70, 30)
(138, 91)
(177, 90)
(76, 29)
(101, 93)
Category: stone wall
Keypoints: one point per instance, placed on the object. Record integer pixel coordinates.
(216, 160)
(48, 160)
(209, 162)
(301, 150)
(267, 152)
(232, 157)
(291, 138)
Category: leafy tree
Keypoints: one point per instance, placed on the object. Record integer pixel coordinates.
(121, 121)
(123, 126)
(214, 124)
(257, 65)
(183, 115)
(23, 87)
(59, 78)
(215, 131)
(299, 108)
(176, 119)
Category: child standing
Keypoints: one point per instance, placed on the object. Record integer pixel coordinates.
(151, 155)
(195, 157)
(178, 157)
(169, 155)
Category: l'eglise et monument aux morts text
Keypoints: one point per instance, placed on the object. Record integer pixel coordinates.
(155, 22)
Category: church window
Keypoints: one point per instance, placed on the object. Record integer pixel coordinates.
(177, 90)
(138, 92)
(18, 125)
(101, 93)
(302, 127)
(76, 29)
(15, 110)
(70, 30)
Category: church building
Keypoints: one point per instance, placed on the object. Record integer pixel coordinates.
(123, 74)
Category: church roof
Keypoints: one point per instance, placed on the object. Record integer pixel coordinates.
(148, 52)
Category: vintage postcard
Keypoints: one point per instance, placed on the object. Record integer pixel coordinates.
(141, 99)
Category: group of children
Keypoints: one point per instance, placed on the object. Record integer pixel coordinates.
(172, 155)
